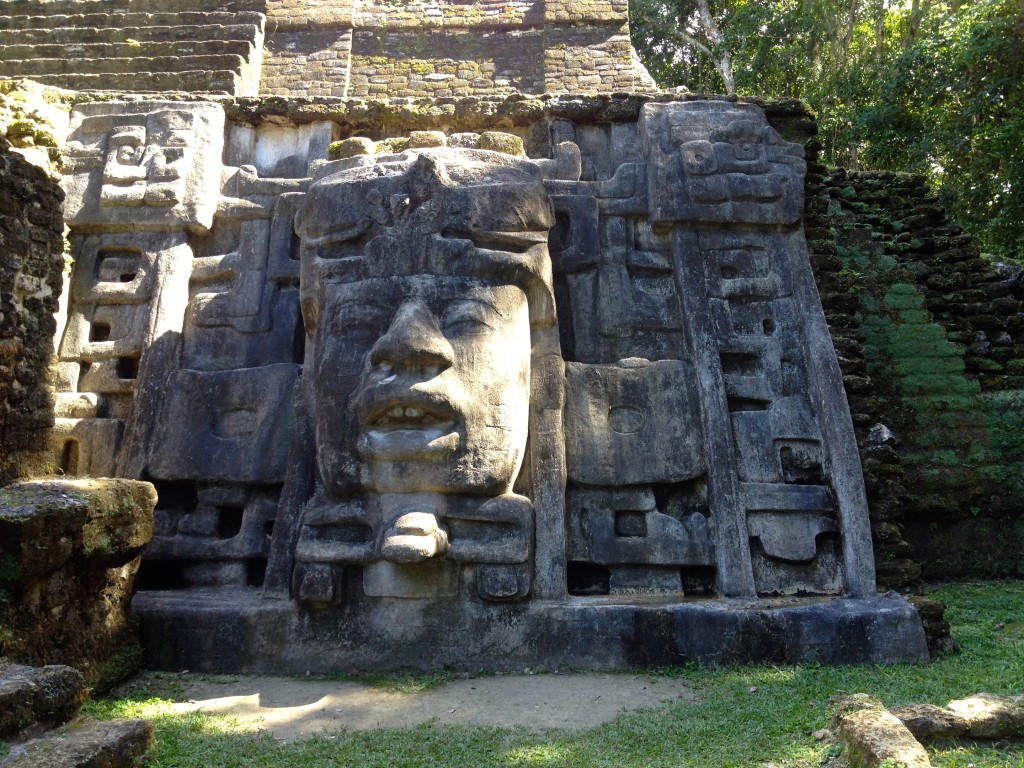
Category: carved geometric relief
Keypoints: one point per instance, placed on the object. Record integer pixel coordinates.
(623, 299)
(227, 425)
(715, 162)
(144, 165)
(86, 446)
(632, 423)
(212, 534)
(623, 526)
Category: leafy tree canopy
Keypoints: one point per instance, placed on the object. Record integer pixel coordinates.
(930, 86)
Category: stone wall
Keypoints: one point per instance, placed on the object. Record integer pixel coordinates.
(134, 45)
(68, 556)
(346, 48)
(31, 266)
(931, 333)
(443, 49)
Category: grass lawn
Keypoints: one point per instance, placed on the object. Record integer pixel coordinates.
(746, 716)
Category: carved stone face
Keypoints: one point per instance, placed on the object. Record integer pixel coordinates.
(417, 272)
(422, 385)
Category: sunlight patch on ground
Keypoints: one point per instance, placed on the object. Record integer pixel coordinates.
(293, 708)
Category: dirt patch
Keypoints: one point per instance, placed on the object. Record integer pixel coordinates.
(292, 708)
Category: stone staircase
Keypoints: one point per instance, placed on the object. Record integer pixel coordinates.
(134, 45)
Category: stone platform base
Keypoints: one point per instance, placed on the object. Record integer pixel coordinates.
(239, 631)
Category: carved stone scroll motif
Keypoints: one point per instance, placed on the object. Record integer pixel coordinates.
(144, 165)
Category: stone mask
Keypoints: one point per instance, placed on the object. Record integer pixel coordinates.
(429, 269)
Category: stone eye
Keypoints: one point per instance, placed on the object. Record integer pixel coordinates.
(468, 318)
(359, 323)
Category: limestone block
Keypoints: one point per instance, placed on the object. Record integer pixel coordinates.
(927, 721)
(632, 423)
(46, 522)
(144, 165)
(989, 716)
(87, 743)
(70, 550)
(51, 695)
(353, 147)
(226, 425)
(873, 736)
(436, 578)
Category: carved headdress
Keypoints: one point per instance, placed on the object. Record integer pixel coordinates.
(463, 212)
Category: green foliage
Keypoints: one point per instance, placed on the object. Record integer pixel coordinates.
(929, 86)
(741, 716)
(951, 106)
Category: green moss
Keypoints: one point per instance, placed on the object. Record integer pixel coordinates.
(122, 664)
(11, 570)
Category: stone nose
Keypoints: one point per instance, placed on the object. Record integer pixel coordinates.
(414, 340)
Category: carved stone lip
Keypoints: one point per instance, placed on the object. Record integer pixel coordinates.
(389, 409)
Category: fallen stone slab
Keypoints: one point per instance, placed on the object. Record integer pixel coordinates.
(929, 722)
(990, 717)
(86, 743)
(48, 695)
(872, 735)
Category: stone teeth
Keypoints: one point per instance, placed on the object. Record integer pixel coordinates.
(414, 413)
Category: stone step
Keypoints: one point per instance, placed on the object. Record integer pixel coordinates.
(51, 7)
(161, 33)
(50, 695)
(86, 743)
(128, 66)
(75, 7)
(118, 21)
(231, 6)
(192, 81)
(122, 50)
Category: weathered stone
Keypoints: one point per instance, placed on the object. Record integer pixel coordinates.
(928, 722)
(87, 743)
(30, 285)
(50, 695)
(874, 737)
(502, 142)
(354, 147)
(990, 717)
(70, 550)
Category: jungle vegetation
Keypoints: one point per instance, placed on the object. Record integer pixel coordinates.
(926, 86)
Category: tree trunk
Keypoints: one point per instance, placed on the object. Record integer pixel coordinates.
(851, 25)
(720, 55)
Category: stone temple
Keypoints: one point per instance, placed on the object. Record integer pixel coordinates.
(488, 356)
